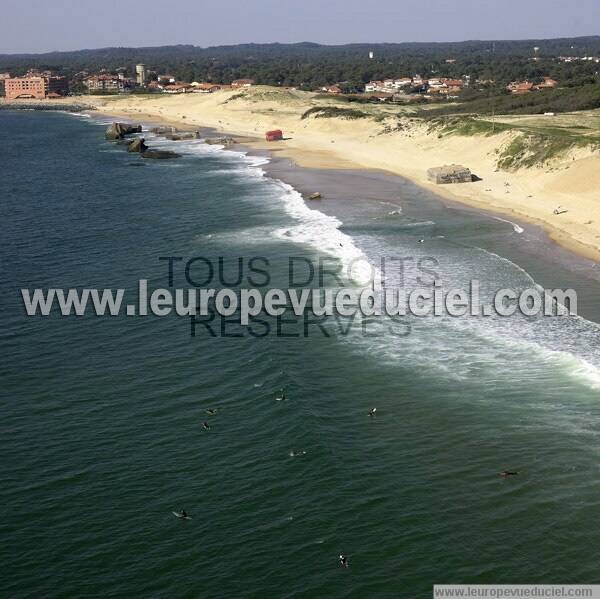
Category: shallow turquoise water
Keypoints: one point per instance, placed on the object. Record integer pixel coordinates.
(101, 433)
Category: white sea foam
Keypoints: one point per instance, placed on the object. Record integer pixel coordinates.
(314, 228)
(321, 231)
(507, 262)
(516, 228)
(565, 344)
(309, 227)
(250, 172)
(424, 223)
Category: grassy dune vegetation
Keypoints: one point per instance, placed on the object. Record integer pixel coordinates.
(537, 138)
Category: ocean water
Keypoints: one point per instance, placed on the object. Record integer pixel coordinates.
(101, 431)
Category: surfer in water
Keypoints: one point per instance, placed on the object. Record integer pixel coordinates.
(211, 412)
(343, 560)
(421, 241)
(206, 426)
(282, 396)
(293, 453)
(184, 514)
(372, 412)
(506, 473)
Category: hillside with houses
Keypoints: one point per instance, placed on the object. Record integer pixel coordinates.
(460, 72)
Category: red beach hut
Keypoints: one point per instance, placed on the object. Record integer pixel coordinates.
(274, 135)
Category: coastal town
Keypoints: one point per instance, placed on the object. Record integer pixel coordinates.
(505, 128)
(40, 85)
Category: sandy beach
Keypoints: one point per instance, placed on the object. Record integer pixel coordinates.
(570, 182)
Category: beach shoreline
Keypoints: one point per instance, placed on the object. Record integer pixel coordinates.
(328, 147)
(90, 221)
(346, 189)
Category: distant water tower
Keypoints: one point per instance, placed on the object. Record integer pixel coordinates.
(140, 70)
(371, 54)
(535, 52)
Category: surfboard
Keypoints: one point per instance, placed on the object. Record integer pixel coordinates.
(180, 515)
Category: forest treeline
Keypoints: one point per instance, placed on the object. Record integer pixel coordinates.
(486, 65)
(309, 66)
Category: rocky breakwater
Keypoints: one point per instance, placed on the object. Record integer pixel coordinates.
(173, 134)
(44, 105)
(220, 141)
(137, 145)
(159, 154)
(183, 135)
(118, 132)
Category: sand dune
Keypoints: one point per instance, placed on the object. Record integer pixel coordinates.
(573, 182)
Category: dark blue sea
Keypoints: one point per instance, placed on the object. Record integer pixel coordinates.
(102, 434)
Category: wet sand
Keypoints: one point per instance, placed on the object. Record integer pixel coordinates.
(366, 195)
(408, 150)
